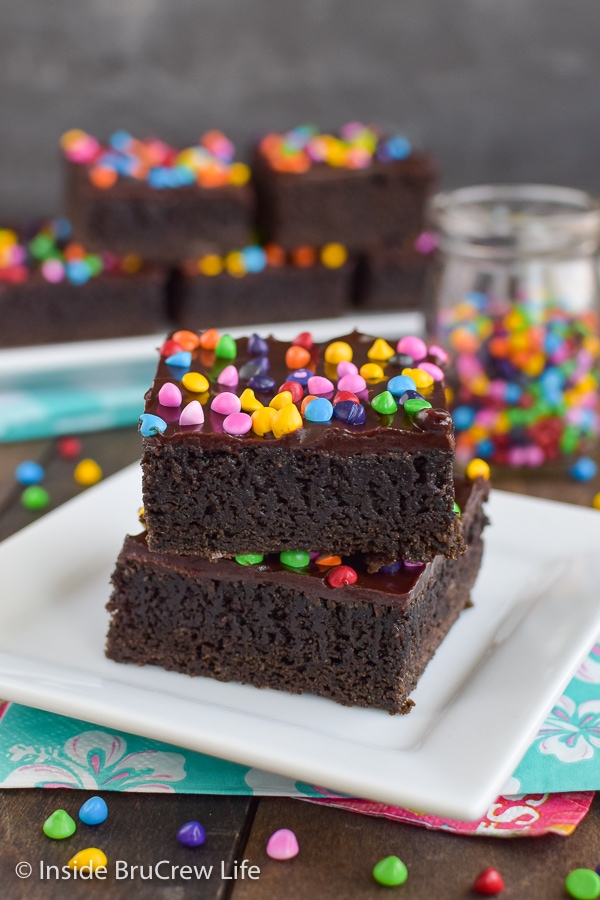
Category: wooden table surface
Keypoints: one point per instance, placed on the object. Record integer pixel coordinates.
(338, 848)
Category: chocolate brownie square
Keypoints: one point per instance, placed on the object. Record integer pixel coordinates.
(147, 198)
(322, 625)
(263, 285)
(53, 290)
(358, 188)
(262, 446)
(396, 277)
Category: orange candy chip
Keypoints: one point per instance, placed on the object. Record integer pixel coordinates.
(303, 257)
(209, 339)
(187, 340)
(307, 400)
(103, 177)
(327, 560)
(275, 255)
(297, 357)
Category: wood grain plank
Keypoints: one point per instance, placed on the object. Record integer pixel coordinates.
(338, 850)
(140, 830)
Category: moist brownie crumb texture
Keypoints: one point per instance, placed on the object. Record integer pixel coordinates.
(304, 530)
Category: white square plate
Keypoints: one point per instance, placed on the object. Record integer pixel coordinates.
(478, 705)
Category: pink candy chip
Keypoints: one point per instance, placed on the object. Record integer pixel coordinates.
(436, 373)
(282, 844)
(319, 385)
(354, 383)
(346, 368)
(412, 345)
(229, 376)
(226, 404)
(439, 353)
(237, 423)
(192, 414)
(169, 395)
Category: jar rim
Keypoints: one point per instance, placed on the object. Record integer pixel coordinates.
(516, 219)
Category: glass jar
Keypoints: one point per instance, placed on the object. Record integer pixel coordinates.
(517, 305)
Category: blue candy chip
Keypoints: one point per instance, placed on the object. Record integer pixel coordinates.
(463, 416)
(181, 360)
(350, 412)
(150, 425)
(410, 395)
(257, 346)
(78, 271)
(29, 472)
(94, 811)
(319, 410)
(584, 469)
(398, 147)
(393, 568)
(399, 384)
(300, 376)
(258, 366)
(261, 383)
(255, 258)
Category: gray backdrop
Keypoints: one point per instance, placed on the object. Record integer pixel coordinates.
(499, 89)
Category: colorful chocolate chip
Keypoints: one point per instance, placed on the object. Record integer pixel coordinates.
(319, 410)
(584, 469)
(283, 844)
(583, 884)
(187, 340)
(337, 352)
(92, 858)
(195, 382)
(228, 377)
(412, 407)
(87, 472)
(257, 346)
(226, 348)
(192, 834)
(477, 468)
(350, 412)
(150, 425)
(249, 559)
(341, 576)
(248, 401)
(258, 366)
(294, 388)
(384, 404)
(281, 400)
(413, 346)
(209, 339)
(318, 384)
(421, 378)
(237, 423)
(295, 559)
(262, 420)
(263, 384)
(372, 372)
(390, 872)
(286, 420)
(169, 395)
(226, 403)
(380, 351)
(69, 447)
(181, 360)
(304, 339)
(94, 811)
(29, 472)
(297, 357)
(301, 376)
(59, 825)
(399, 384)
(488, 882)
(346, 368)
(352, 382)
(326, 559)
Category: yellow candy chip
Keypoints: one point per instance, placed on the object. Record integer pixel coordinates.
(281, 400)
(210, 265)
(87, 472)
(142, 515)
(479, 385)
(535, 365)
(502, 424)
(286, 420)
(478, 433)
(71, 137)
(249, 402)
(235, 265)
(187, 157)
(421, 378)
(478, 468)
(337, 352)
(8, 238)
(262, 420)
(195, 382)
(372, 372)
(596, 501)
(333, 256)
(380, 350)
(449, 394)
(131, 263)
(92, 858)
(239, 174)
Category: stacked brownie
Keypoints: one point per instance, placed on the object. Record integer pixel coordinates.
(303, 531)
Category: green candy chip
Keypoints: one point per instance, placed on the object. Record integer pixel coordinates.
(583, 884)
(295, 559)
(226, 348)
(457, 508)
(384, 404)
(390, 872)
(59, 825)
(35, 497)
(249, 559)
(412, 407)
